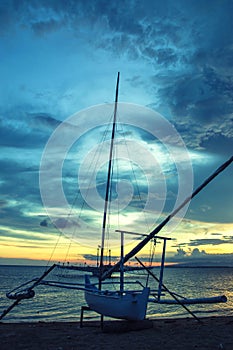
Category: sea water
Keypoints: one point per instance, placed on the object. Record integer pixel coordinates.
(57, 304)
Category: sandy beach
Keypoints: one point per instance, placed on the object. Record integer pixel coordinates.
(211, 333)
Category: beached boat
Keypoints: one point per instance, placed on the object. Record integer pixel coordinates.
(126, 304)
(123, 302)
(130, 304)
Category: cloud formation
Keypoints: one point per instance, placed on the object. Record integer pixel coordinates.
(197, 257)
(62, 56)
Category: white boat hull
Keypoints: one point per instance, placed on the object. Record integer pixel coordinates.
(131, 305)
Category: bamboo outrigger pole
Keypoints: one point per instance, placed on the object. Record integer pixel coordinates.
(167, 290)
(141, 244)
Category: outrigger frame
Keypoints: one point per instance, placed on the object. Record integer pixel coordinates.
(29, 292)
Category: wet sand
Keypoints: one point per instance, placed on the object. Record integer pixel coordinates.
(211, 333)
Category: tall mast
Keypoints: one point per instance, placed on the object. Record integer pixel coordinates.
(108, 181)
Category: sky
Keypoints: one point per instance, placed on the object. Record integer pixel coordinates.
(59, 64)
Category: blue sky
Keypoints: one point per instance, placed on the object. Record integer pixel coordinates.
(61, 57)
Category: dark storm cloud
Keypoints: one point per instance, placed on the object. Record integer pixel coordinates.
(14, 137)
(187, 43)
(11, 169)
(3, 203)
(44, 119)
(197, 257)
(210, 241)
(19, 246)
(201, 242)
(44, 223)
(21, 195)
(13, 214)
(18, 214)
(93, 257)
(218, 143)
(45, 27)
(18, 178)
(90, 257)
(23, 236)
(22, 129)
(213, 204)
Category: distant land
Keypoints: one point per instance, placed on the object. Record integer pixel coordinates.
(23, 262)
(31, 262)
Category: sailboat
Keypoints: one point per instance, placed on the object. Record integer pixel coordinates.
(130, 304)
(126, 304)
(123, 302)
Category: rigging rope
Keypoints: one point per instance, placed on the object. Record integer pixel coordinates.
(91, 171)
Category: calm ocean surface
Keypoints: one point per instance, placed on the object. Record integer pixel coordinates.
(56, 304)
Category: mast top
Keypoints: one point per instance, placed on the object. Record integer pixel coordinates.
(117, 87)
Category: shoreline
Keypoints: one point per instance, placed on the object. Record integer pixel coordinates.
(214, 332)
